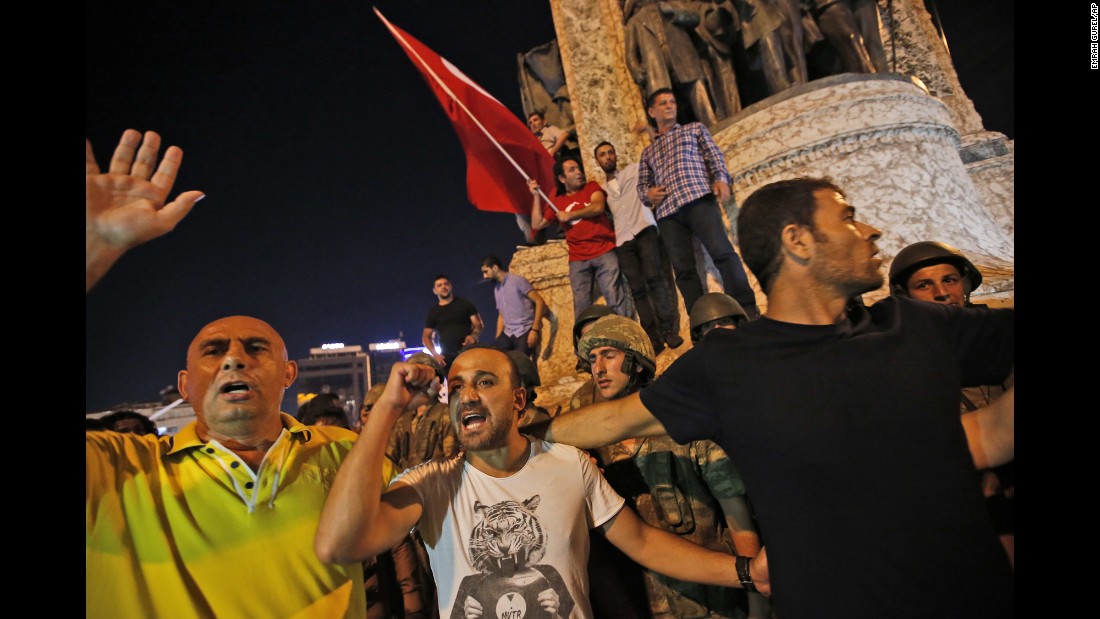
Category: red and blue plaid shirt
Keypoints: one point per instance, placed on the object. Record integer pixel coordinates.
(685, 161)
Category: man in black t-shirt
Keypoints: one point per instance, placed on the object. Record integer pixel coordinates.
(823, 405)
(454, 319)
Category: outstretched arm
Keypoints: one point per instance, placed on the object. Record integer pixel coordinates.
(125, 207)
(599, 424)
(678, 558)
(358, 521)
(991, 431)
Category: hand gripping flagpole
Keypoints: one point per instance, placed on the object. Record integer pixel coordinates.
(455, 98)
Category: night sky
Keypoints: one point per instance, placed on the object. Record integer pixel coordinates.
(335, 184)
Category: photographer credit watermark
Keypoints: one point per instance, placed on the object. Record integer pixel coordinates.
(1094, 46)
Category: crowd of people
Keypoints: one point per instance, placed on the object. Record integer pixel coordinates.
(824, 459)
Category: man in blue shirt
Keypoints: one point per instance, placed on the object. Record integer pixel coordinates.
(519, 308)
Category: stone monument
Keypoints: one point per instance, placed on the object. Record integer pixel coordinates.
(906, 144)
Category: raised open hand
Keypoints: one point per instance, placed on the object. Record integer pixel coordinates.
(125, 206)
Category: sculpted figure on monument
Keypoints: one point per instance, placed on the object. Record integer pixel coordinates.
(851, 27)
(787, 54)
(543, 89)
(716, 35)
(661, 52)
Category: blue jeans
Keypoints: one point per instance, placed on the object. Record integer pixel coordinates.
(702, 219)
(605, 270)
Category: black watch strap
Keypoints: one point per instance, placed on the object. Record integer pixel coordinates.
(743, 574)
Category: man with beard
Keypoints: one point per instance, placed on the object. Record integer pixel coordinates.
(642, 257)
(824, 405)
(590, 237)
(453, 320)
(506, 522)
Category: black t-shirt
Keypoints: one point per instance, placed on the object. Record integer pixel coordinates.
(849, 442)
(452, 321)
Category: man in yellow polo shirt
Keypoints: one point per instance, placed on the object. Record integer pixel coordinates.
(217, 521)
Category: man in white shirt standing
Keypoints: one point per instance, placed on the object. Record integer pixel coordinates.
(641, 256)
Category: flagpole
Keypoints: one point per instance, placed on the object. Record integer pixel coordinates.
(455, 98)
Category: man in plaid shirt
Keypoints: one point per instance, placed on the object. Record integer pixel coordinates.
(682, 172)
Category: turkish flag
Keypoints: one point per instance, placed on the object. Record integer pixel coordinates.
(494, 181)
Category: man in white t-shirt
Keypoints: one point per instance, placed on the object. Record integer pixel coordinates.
(506, 521)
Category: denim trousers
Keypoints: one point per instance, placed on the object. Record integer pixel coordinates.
(604, 270)
(701, 218)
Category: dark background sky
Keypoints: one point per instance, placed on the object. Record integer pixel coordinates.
(335, 184)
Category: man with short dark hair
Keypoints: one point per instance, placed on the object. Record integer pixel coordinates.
(683, 177)
(642, 258)
(506, 522)
(130, 421)
(453, 319)
(520, 309)
(579, 205)
(692, 490)
(825, 405)
(551, 137)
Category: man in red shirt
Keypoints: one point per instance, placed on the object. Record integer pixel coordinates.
(579, 208)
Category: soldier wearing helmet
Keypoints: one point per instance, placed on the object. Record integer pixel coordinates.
(932, 271)
(425, 432)
(686, 489)
(715, 310)
(940, 273)
(372, 396)
(587, 392)
(585, 319)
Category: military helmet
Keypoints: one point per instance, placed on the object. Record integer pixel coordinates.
(622, 333)
(424, 358)
(712, 306)
(927, 253)
(374, 393)
(528, 373)
(587, 315)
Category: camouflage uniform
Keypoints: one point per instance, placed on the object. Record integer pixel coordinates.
(584, 395)
(672, 487)
(417, 438)
(433, 436)
(675, 488)
(397, 446)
